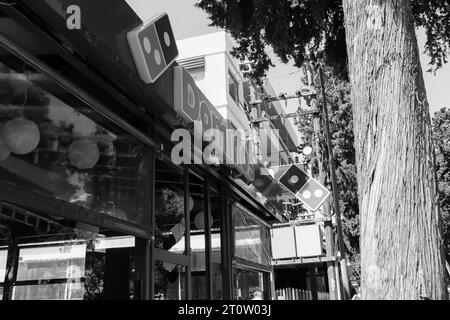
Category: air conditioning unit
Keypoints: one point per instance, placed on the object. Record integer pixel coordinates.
(309, 240)
(283, 243)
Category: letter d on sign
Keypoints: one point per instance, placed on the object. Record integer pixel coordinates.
(73, 17)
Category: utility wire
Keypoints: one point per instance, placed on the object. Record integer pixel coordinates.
(283, 75)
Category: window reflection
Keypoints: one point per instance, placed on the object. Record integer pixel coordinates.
(248, 284)
(252, 238)
(170, 281)
(216, 211)
(60, 268)
(3, 260)
(97, 269)
(169, 208)
(198, 239)
(54, 262)
(67, 152)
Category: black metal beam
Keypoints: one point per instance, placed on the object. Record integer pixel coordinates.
(208, 246)
(187, 236)
(227, 246)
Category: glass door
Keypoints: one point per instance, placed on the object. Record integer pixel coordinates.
(252, 256)
(173, 205)
(250, 284)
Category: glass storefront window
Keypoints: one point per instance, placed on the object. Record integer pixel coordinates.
(251, 238)
(248, 284)
(216, 244)
(62, 152)
(170, 281)
(53, 262)
(109, 270)
(95, 269)
(61, 266)
(197, 238)
(169, 208)
(3, 260)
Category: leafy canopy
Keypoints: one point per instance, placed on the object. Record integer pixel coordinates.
(295, 29)
(441, 134)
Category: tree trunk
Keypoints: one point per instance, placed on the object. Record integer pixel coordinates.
(401, 245)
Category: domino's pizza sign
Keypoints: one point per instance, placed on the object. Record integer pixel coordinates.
(308, 190)
(193, 106)
(153, 48)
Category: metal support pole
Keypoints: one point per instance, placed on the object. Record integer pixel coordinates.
(208, 245)
(187, 216)
(313, 281)
(331, 272)
(329, 233)
(343, 262)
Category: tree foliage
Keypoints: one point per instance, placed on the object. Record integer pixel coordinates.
(441, 133)
(341, 125)
(297, 29)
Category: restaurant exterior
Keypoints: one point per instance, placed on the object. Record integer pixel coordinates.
(91, 204)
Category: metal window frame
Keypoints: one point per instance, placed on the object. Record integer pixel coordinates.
(187, 215)
(236, 83)
(208, 245)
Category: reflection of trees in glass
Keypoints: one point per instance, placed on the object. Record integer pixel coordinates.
(94, 275)
(165, 280)
(160, 277)
(252, 239)
(172, 208)
(112, 186)
(169, 213)
(173, 204)
(247, 282)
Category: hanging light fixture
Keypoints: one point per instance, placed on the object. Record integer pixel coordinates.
(199, 220)
(20, 136)
(191, 203)
(84, 154)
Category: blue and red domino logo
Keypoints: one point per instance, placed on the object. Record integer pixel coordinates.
(153, 48)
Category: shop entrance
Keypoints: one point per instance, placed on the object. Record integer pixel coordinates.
(188, 235)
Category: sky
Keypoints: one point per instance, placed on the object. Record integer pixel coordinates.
(188, 21)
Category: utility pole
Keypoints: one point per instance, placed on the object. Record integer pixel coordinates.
(329, 233)
(337, 211)
(328, 225)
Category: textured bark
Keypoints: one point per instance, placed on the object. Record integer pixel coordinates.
(401, 245)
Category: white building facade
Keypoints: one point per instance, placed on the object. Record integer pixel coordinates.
(216, 72)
